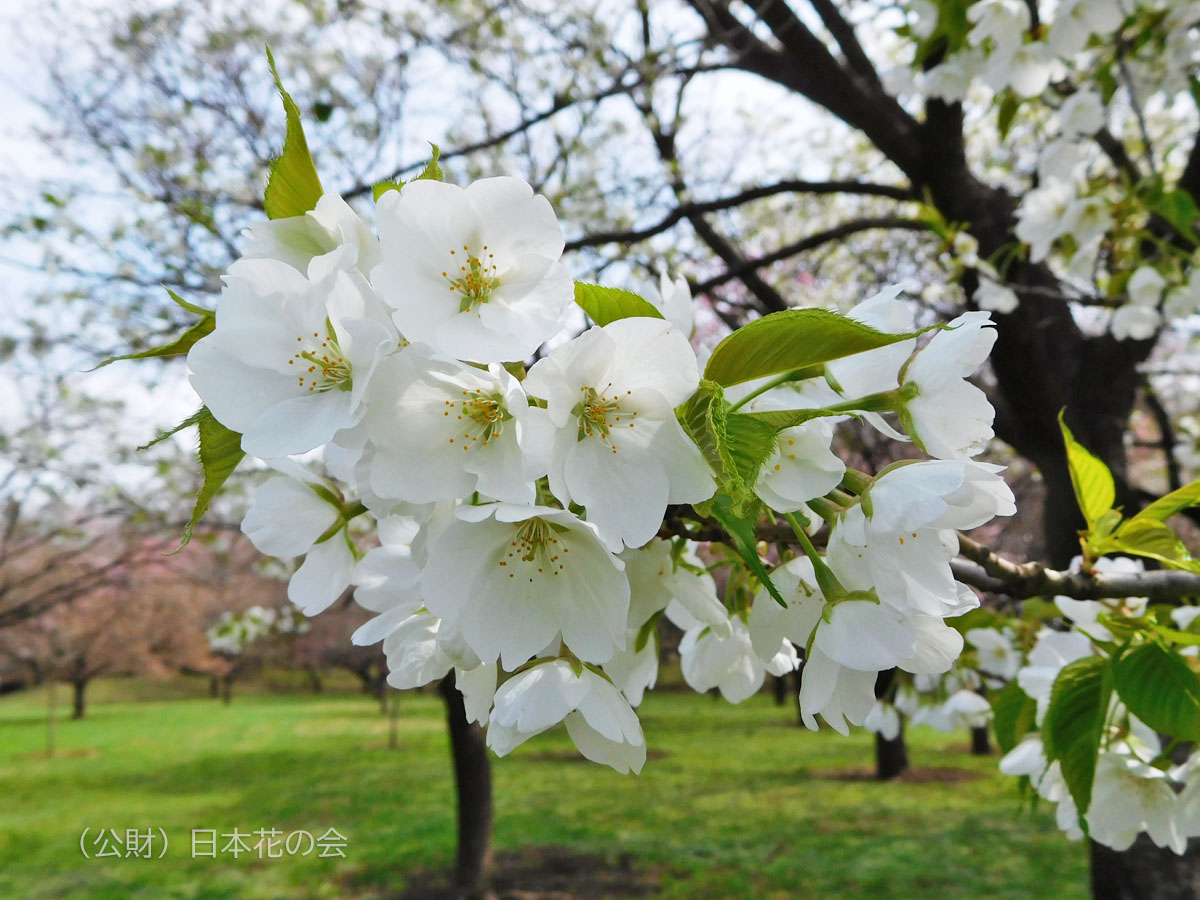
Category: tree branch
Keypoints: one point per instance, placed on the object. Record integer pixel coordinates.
(986, 570)
(687, 210)
(809, 243)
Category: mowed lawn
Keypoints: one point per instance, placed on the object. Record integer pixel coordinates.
(736, 802)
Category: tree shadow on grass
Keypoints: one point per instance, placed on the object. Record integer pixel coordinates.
(550, 873)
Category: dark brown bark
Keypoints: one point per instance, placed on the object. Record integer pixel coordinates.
(981, 744)
(227, 689)
(79, 698)
(891, 754)
(1145, 872)
(473, 785)
(779, 688)
(314, 680)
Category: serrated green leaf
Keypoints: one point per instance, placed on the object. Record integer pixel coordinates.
(220, 453)
(1160, 689)
(791, 339)
(293, 186)
(1171, 504)
(1074, 723)
(1014, 715)
(177, 347)
(432, 171)
(604, 304)
(741, 531)
(734, 444)
(193, 419)
(382, 187)
(1091, 479)
(1149, 538)
(779, 419)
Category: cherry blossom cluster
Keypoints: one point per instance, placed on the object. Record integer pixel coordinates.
(514, 515)
(1068, 75)
(233, 632)
(1139, 786)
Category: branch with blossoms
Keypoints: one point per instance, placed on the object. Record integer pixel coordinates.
(520, 501)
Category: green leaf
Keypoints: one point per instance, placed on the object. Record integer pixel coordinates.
(432, 171)
(791, 339)
(1014, 713)
(1187, 638)
(193, 419)
(382, 187)
(293, 187)
(177, 347)
(220, 453)
(1178, 208)
(1175, 502)
(734, 444)
(779, 419)
(190, 307)
(604, 305)
(1074, 723)
(1090, 477)
(1009, 105)
(741, 530)
(1149, 538)
(1160, 689)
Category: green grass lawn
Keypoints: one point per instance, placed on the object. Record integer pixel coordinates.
(736, 802)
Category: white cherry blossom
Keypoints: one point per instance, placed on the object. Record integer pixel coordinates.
(946, 415)
(616, 447)
(598, 719)
(511, 579)
(473, 272)
(331, 232)
(441, 430)
(289, 360)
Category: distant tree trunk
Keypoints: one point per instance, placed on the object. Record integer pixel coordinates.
(227, 689)
(393, 702)
(1145, 872)
(379, 687)
(473, 784)
(79, 704)
(779, 685)
(314, 680)
(980, 743)
(51, 716)
(891, 754)
(214, 686)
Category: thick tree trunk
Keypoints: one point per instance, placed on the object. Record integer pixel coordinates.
(891, 754)
(79, 704)
(1145, 872)
(473, 784)
(779, 687)
(981, 745)
(314, 680)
